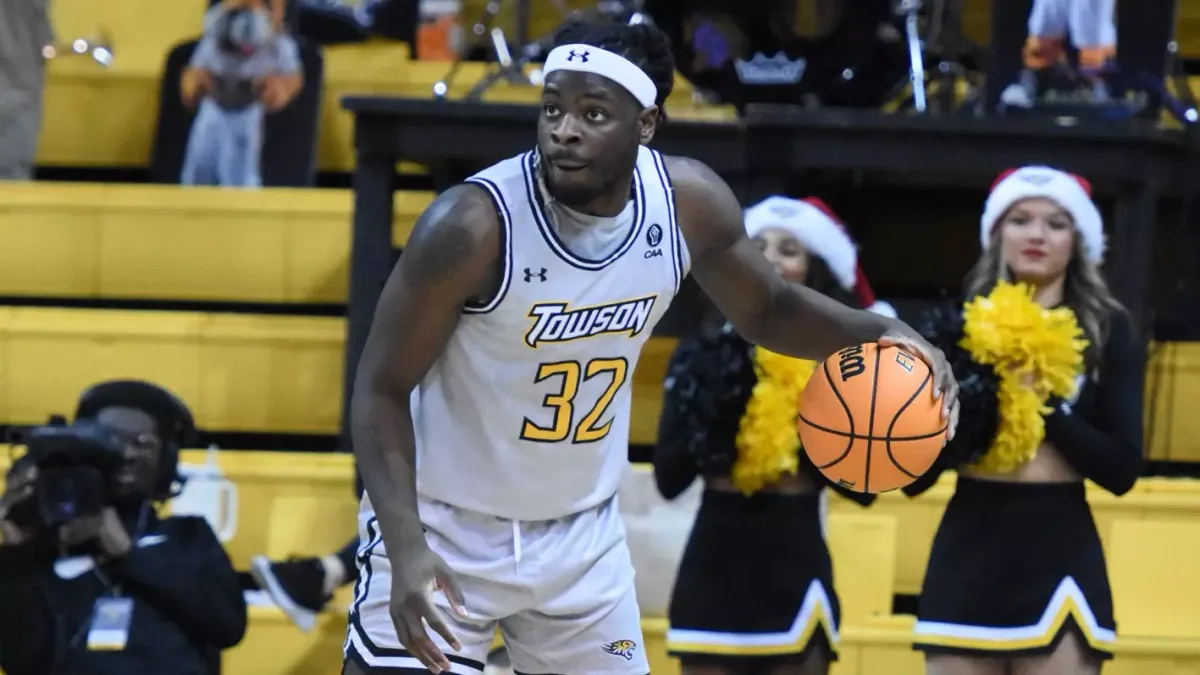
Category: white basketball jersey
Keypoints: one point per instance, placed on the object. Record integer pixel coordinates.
(525, 416)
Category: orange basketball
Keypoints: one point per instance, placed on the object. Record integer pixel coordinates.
(868, 418)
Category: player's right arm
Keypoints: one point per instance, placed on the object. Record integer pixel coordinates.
(452, 256)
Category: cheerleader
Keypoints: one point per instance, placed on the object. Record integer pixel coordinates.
(755, 591)
(1051, 379)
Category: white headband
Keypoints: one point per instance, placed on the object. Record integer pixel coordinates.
(589, 59)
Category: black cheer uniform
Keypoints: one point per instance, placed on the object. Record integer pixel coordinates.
(756, 580)
(1015, 565)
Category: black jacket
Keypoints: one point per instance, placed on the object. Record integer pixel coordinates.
(187, 606)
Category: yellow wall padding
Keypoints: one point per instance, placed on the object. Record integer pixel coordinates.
(238, 372)
(165, 242)
(283, 373)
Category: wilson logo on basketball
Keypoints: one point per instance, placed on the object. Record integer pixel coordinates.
(850, 362)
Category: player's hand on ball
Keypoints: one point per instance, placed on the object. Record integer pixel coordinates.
(943, 376)
(416, 573)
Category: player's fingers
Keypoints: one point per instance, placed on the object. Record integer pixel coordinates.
(953, 422)
(434, 618)
(427, 652)
(449, 587)
(947, 386)
(404, 635)
(410, 632)
(949, 389)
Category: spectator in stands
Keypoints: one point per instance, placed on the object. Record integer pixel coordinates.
(25, 33)
(244, 67)
(1093, 33)
(756, 567)
(1016, 581)
(123, 592)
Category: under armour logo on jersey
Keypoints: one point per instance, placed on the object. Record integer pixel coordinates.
(581, 57)
(530, 275)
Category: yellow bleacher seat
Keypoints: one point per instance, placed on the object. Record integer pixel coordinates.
(1152, 499)
(288, 503)
(915, 520)
(165, 242)
(303, 503)
(863, 548)
(122, 102)
(239, 372)
(1172, 384)
(273, 645)
(249, 372)
(1155, 588)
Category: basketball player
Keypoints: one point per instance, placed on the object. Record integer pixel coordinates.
(491, 406)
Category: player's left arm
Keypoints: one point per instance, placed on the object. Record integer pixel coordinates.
(766, 309)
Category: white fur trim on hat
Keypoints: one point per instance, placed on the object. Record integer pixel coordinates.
(818, 232)
(883, 308)
(1064, 189)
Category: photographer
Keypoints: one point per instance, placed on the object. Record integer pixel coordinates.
(92, 581)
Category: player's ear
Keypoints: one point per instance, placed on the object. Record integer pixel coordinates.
(648, 121)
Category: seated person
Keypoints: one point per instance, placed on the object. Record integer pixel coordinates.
(244, 67)
(104, 585)
(301, 586)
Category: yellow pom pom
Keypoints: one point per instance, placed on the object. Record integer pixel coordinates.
(767, 440)
(1037, 353)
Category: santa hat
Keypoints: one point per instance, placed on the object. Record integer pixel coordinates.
(1072, 193)
(816, 226)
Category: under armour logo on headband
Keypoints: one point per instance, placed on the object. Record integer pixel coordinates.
(582, 57)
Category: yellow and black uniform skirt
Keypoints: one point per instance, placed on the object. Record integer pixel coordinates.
(755, 582)
(1013, 567)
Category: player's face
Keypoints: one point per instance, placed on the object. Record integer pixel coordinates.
(1037, 239)
(589, 132)
(785, 252)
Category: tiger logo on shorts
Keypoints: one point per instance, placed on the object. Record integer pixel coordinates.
(623, 648)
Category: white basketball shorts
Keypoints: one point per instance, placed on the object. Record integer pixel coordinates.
(560, 592)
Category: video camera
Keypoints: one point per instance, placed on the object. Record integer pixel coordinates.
(76, 473)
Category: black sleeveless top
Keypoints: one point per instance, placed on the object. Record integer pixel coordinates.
(1099, 433)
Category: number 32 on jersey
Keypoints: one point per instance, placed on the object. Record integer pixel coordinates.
(562, 403)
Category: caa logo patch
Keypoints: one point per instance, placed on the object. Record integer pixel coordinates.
(654, 235)
(622, 648)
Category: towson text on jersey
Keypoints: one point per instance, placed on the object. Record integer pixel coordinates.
(555, 322)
